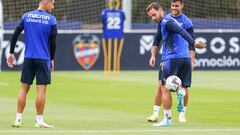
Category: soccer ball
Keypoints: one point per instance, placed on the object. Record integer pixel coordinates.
(173, 83)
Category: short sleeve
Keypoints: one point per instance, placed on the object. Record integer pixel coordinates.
(54, 20)
(188, 23)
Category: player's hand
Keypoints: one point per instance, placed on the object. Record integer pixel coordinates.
(52, 65)
(199, 45)
(152, 61)
(10, 60)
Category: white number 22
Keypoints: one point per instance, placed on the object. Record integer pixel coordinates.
(113, 23)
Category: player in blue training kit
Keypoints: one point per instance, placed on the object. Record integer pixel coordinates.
(113, 21)
(40, 30)
(175, 55)
(186, 23)
(177, 7)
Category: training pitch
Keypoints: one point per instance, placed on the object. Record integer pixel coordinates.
(93, 103)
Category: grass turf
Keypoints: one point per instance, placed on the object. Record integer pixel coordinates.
(93, 103)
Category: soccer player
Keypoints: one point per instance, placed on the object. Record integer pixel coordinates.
(176, 8)
(113, 22)
(40, 30)
(175, 56)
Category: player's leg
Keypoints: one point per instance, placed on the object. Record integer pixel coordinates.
(166, 97)
(186, 98)
(186, 76)
(167, 105)
(178, 68)
(40, 105)
(180, 95)
(27, 77)
(22, 96)
(157, 104)
(43, 78)
(21, 102)
(40, 99)
(180, 105)
(181, 117)
(158, 97)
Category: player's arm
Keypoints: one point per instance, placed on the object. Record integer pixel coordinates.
(15, 36)
(14, 39)
(173, 26)
(191, 47)
(152, 60)
(191, 32)
(155, 47)
(52, 44)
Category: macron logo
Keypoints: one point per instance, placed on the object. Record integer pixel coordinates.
(45, 17)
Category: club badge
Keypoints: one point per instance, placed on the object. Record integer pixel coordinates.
(86, 50)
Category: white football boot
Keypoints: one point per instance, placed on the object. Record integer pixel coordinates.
(43, 125)
(181, 117)
(152, 118)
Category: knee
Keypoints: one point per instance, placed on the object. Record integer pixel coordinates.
(164, 91)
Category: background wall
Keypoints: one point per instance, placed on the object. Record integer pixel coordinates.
(222, 52)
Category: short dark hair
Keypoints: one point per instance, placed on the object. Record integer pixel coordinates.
(155, 6)
(181, 1)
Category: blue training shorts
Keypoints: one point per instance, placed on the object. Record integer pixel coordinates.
(180, 67)
(38, 68)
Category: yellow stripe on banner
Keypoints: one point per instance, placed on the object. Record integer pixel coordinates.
(109, 53)
(115, 54)
(105, 54)
(119, 54)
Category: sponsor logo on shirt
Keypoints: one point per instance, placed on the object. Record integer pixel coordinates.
(39, 16)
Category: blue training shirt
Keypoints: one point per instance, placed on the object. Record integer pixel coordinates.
(174, 45)
(37, 27)
(183, 20)
(113, 22)
(187, 24)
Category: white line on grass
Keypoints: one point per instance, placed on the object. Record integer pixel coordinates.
(121, 131)
(4, 84)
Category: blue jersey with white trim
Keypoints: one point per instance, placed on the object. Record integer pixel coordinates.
(37, 26)
(113, 21)
(183, 20)
(174, 45)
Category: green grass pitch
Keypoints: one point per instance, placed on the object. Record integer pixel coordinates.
(92, 103)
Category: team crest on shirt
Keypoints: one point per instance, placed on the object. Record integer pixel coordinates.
(86, 49)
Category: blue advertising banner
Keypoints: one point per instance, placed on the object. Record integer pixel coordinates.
(222, 51)
(85, 52)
